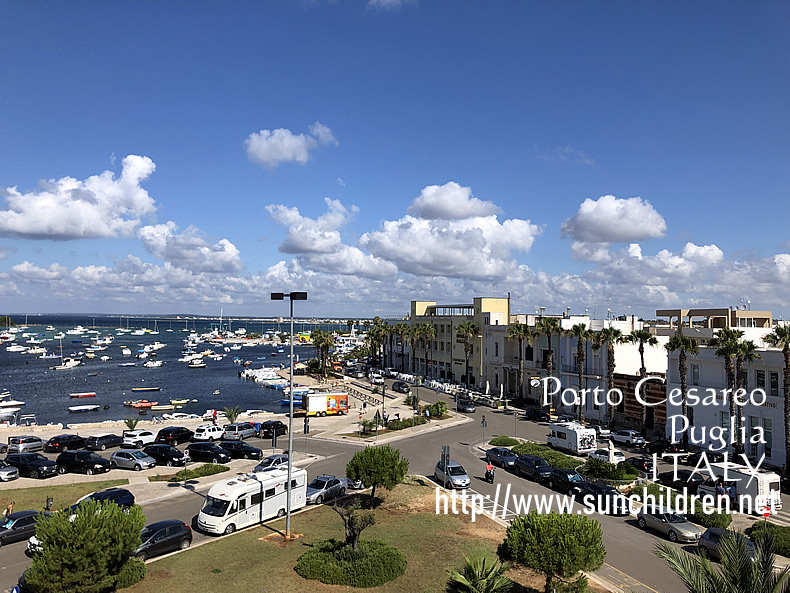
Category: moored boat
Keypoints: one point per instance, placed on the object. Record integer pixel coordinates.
(91, 408)
(144, 403)
(179, 402)
(135, 389)
(83, 394)
(163, 407)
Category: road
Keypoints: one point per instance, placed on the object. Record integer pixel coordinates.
(630, 561)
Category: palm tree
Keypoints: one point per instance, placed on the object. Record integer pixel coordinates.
(742, 569)
(428, 333)
(323, 341)
(780, 338)
(467, 331)
(643, 337)
(746, 352)
(726, 344)
(375, 339)
(521, 333)
(479, 575)
(549, 326)
(413, 337)
(131, 423)
(684, 345)
(350, 324)
(611, 336)
(232, 414)
(401, 330)
(582, 335)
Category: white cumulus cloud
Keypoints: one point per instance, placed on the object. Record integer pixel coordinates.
(307, 235)
(67, 208)
(450, 201)
(272, 147)
(614, 220)
(188, 249)
(703, 254)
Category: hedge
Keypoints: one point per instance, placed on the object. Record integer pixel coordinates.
(596, 469)
(715, 519)
(208, 469)
(406, 423)
(335, 563)
(554, 458)
(781, 536)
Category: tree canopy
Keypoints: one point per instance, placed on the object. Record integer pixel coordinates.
(378, 466)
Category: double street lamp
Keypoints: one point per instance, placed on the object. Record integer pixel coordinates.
(291, 296)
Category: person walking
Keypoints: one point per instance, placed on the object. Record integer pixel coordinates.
(9, 509)
(427, 414)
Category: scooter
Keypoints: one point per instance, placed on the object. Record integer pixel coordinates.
(489, 476)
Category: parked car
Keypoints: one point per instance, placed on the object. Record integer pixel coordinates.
(271, 462)
(566, 418)
(401, 387)
(532, 467)
(138, 438)
(64, 442)
(603, 455)
(120, 496)
(25, 444)
(501, 456)
(643, 464)
(210, 452)
(208, 432)
(82, 462)
(136, 460)
(601, 432)
(8, 472)
(18, 526)
(163, 537)
(33, 465)
(454, 474)
(325, 487)
(684, 479)
(712, 457)
(165, 454)
(630, 438)
(603, 498)
(565, 480)
(376, 379)
(538, 415)
(173, 435)
(709, 544)
(466, 406)
(271, 427)
(662, 447)
(241, 450)
(239, 431)
(676, 527)
(101, 442)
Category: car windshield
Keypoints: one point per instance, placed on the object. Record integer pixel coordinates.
(37, 457)
(317, 484)
(138, 454)
(7, 523)
(215, 507)
(675, 518)
(456, 470)
(574, 477)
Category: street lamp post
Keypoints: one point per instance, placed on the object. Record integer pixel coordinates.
(292, 296)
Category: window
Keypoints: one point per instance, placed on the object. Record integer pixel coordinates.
(724, 422)
(759, 379)
(242, 504)
(695, 374)
(774, 383)
(769, 436)
(496, 348)
(256, 498)
(269, 493)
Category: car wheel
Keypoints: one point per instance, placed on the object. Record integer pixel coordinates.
(342, 492)
(139, 444)
(142, 556)
(34, 473)
(89, 471)
(185, 543)
(642, 522)
(215, 460)
(673, 537)
(551, 484)
(230, 529)
(103, 447)
(138, 467)
(281, 513)
(703, 551)
(319, 499)
(113, 465)
(169, 463)
(517, 471)
(211, 439)
(61, 470)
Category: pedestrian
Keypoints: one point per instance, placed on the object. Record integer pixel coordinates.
(9, 509)
(214, 417)
(427, 414)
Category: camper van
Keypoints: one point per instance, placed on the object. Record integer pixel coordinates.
(571, 437)
(250, 499)
(752, 492)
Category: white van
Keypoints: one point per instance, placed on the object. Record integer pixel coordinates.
(572, 437)
(251, 499)
(752, 492)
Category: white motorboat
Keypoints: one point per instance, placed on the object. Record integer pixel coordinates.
(16, 348)
(126, 351)
(152, 364)
(89, 408)
(197, 364)
(11, 403)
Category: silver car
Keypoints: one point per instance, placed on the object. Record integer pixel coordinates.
(128, 459)
(454, 475)
(8, 472)
(25, 444)
(271, 462)
(325, 487)
(676, 527)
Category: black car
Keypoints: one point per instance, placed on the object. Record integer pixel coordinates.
(565, 480)
(173, 435)
(683, 479)
(271, 427)
(643, 464)
(162, 537)
(64, 442)
(241, 450)
(401, 387)
(533, 467)
(210, 452)
(165, 454)
(537, 415)
(604, 499)
(120, 496)
(663, 447)
(464, 405)
(19, 526)
(33, 465)
(82, 462)
(100, 442)
(712, 457)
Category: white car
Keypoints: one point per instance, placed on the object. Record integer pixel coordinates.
(630, 438)
(376, 379)
(603, 455)
(138, 438)
(208, 432)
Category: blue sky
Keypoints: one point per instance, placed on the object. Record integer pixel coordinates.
(182, 157)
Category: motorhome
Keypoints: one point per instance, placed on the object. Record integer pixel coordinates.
(753, 490)
(572, 437)
(251, 499)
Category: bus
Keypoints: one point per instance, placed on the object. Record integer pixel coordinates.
(251, 499)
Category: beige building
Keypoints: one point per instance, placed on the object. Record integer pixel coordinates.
(443, 357)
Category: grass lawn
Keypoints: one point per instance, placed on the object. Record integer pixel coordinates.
(243, 563)
(63, 495)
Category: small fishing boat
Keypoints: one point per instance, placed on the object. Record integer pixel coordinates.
(83, 394)
(163, 407)
(142, 412)
(75, 409)
(10, 403)
(144, 403)
(216, 392)
(179, 402)
(92, 374)
(136, 389)
(128, 364)
(196, 364)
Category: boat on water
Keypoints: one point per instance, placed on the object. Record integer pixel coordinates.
(196, 364)
(93, 374)
(216, 392)
(67, 364)
(10, 403)
(297, 400)
(126, 351)
(104, 358)
(91, 408)
(164, 407)
(136, 389)
(16, 348)
(144, 403)
(153, 364)
(179, 402)
(127, 364)
(83, 394)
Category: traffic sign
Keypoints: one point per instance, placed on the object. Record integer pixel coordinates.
(766, 511)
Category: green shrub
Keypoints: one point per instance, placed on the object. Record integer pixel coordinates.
(781, 536)
(714, 519)
(334, 563)
(133, 571)
(657, 490)
(601, 470)
(503, 441)
(406, 423)
(438, 409)
(208, 469)
(554, 458)
(580, 585)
